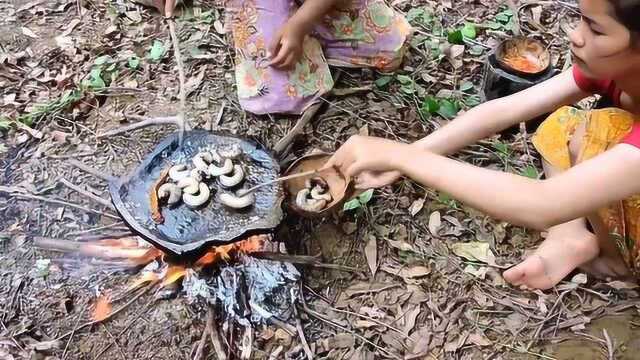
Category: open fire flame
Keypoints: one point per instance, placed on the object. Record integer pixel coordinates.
(130, 250)
(166, 273)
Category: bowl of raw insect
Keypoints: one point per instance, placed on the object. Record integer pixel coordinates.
(316, 195)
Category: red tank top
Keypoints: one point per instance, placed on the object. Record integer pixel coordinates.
(608, 88)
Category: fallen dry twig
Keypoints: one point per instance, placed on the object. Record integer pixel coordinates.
(21, 193)
(182, 94)
(303, 339)
(86, 193)
(215, 336)
(171, 120)
(297, 129)
(88, 169)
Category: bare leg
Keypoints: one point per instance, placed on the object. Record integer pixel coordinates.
(566, 247)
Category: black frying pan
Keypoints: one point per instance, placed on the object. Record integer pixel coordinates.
(186, 230)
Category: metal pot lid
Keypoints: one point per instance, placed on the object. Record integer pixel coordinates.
(187, 230)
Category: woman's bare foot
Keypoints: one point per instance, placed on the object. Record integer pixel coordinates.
(564, 249)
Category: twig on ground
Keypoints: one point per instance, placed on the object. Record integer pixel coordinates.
(86, 193)
(302, 260)
(21, 193)
(171, 120)
(113, 340)
(281, 147)
(351, 91)
(220, 113)
(610, 346)
(88, 169)
(246, 344)
(517, 30)
(203, 340)
(91, 249)
(303, 339)
(75, 326)
(215, 335)
(182, 94)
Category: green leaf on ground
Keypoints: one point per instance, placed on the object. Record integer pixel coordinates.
(5, 123)
(95, 79)
(383, 81)
(408, 86)
(430, 105)
(133, 62)
(502, 148)
(469, 31)
(157, 51)
(472, 100)
(365, 197)
(466, 86)
(351, 205)
(530, 171)
(456, 37)
(448, 109)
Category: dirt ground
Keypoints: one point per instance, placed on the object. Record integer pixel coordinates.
(420, 272)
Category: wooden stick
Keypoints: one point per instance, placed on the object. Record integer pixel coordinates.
(182, 94)
(302, 260)
(86, 193)
(303, 339)
(215, 335)
(88, 169)
(283, 178)
(203, 340)
(18, 194)
(88, 249)
(172, 120)
(297, 129)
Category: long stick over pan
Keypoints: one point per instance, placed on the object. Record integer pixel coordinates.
(285, 178)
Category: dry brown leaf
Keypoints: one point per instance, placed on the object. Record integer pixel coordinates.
(371, 253)
(365, 288)
(435, 222)
(364, 324)
(474, 251)
(479, 339)
(349, 228)
(410, 318)
(28, 32)
(416, 206)
(622, 285)
(103, 308)
(401, 245)
(364, 130)
(420, 339)
(394, 340)
(407, 272)
(343, 341)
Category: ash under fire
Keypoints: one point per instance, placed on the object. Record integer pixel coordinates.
(245, 289)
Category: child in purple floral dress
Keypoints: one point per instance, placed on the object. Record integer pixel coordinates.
(284, 48)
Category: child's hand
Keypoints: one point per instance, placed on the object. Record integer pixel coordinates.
(363, 153)
(286, 47)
